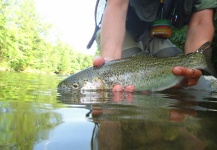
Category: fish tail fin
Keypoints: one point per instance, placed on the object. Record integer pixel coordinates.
(207, 51)
(204, 47)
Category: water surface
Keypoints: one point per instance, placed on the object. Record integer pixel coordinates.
(33, 115)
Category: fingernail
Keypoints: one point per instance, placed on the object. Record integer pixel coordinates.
(178, 70)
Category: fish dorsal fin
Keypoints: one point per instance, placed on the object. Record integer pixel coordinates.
(203, 47)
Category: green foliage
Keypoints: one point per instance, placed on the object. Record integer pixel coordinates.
(178, 37)
(24, 43)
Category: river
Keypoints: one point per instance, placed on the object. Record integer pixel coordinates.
(34, 116)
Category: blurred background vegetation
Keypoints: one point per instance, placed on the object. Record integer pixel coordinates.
(25, 44)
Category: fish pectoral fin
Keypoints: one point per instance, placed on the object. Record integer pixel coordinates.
(96, 84)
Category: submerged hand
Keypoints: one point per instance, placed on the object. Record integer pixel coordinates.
(191, 76)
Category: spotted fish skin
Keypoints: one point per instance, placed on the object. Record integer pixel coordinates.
(143, 71)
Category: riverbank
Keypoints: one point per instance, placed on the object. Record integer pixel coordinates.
(29, 70)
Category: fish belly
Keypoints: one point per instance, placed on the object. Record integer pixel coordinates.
(158, 84)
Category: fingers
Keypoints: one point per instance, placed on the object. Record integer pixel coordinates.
(129, 88)
(98, 60)
(120, 96)
(187, 72)
(119, 88)
(191, 76)
(128, 91)
(192, 81)
(193, 73)
(178, 71)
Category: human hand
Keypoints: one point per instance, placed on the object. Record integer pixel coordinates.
(98, 61)
(191, 76)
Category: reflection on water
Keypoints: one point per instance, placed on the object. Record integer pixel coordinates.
(35, 116)
(22, 125)
(167, 120)
(26, 117)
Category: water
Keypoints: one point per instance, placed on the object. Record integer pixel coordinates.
(33, 115)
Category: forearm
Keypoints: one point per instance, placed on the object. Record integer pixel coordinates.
(200, 30)
(113, 28)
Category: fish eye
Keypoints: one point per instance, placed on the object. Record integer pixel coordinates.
(75, 86)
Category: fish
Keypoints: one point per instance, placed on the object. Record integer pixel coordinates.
(144, 71)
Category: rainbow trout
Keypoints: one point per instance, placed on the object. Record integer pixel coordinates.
(143, 71)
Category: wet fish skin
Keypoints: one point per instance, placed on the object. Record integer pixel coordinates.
(143, 71)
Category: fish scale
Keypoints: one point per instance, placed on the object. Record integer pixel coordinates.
(143, 71)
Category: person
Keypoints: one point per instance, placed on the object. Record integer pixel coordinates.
(113, 38)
